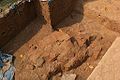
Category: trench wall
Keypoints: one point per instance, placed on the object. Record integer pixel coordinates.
(15, 21)
(59, 9)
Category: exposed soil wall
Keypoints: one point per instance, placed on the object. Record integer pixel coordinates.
(15, 21)
(54, 11)
(59, 9)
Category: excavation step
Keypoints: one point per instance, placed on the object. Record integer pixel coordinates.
(109, 67)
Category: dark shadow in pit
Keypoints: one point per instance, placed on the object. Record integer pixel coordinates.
(14, 21)
(15, 41)
(76, 16)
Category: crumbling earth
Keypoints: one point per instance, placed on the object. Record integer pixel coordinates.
(73, 50)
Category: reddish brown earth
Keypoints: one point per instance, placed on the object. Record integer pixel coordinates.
(75, 48)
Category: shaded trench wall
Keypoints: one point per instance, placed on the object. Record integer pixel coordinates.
(59, 9)
(15, 21)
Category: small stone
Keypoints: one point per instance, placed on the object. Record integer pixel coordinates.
(60, 74)
(91, 67)
(40, 61)
(68, 77)
(21, 56)
(60, 30)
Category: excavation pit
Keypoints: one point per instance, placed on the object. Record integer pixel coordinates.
(42, 53)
